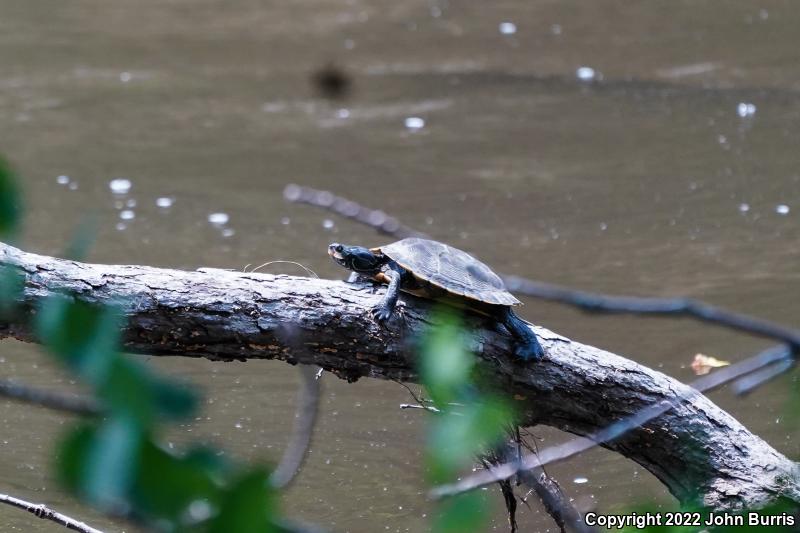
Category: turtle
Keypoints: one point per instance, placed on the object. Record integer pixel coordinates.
(437, 271)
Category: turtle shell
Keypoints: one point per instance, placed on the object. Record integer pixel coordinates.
(449, 268)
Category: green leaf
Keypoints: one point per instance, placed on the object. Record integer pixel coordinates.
(462, 514)
(10, 203)
(85, 336)
(457, 437)
(99, 462)
(445, 365)
(179, 489)
(249, 506)
(11, 285)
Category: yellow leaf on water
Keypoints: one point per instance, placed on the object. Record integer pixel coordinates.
(703, 364)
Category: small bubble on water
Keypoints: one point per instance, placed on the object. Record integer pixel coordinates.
(414, 123)
(131, 202)
(580, 480)
(125, 77)
(343, 113)
(73, 186)
(603, 226)
(722, 139)
(763, 14)
(218, 219)
(285, 221)
(127, 215)
(782, 209)
(121, 226)
(744, 208)
(120, 185)
(745, 109)
(62, 180)
(349, 44)
(228, 232)
(585, 73)
(238, 425)
(327, 223)
(164, 202)
(507, 28)
(119, 204)
(556, 29)
(436, 12)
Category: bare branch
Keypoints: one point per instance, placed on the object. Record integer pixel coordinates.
(45, 513)
(226, 315)
(80, 405)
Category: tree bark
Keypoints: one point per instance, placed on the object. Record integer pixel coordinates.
(702, 454)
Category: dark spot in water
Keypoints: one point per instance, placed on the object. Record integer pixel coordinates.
(332, 82)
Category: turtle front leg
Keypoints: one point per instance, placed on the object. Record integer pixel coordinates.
(527, 345)
(383, 310)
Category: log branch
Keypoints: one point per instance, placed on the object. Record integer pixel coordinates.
(701, 453)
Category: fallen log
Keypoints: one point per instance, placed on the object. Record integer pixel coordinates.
(702, 454)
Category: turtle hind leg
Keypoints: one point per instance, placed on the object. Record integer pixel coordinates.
(527, 345)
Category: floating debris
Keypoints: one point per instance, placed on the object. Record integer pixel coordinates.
(332, 82)
(414, 123)
(218, 219)
(745, 109)
(507, 28)
(702, 364)
(120, 185)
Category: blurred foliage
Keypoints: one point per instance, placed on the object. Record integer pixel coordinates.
(10, 202)
(468, 423)
(115, 462)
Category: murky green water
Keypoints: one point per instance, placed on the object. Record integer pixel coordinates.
(646, 182)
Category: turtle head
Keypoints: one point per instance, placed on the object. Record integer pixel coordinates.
(356, 258)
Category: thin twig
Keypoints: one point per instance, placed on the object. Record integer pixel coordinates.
(374, 218)
(573, 447)
(425, 407)
(45, 513)
(80, 405)
(305, 417)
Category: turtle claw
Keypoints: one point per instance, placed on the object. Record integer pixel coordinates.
(529, 351)
(380, 313)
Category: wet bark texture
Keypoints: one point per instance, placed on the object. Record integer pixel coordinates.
(701, 453)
